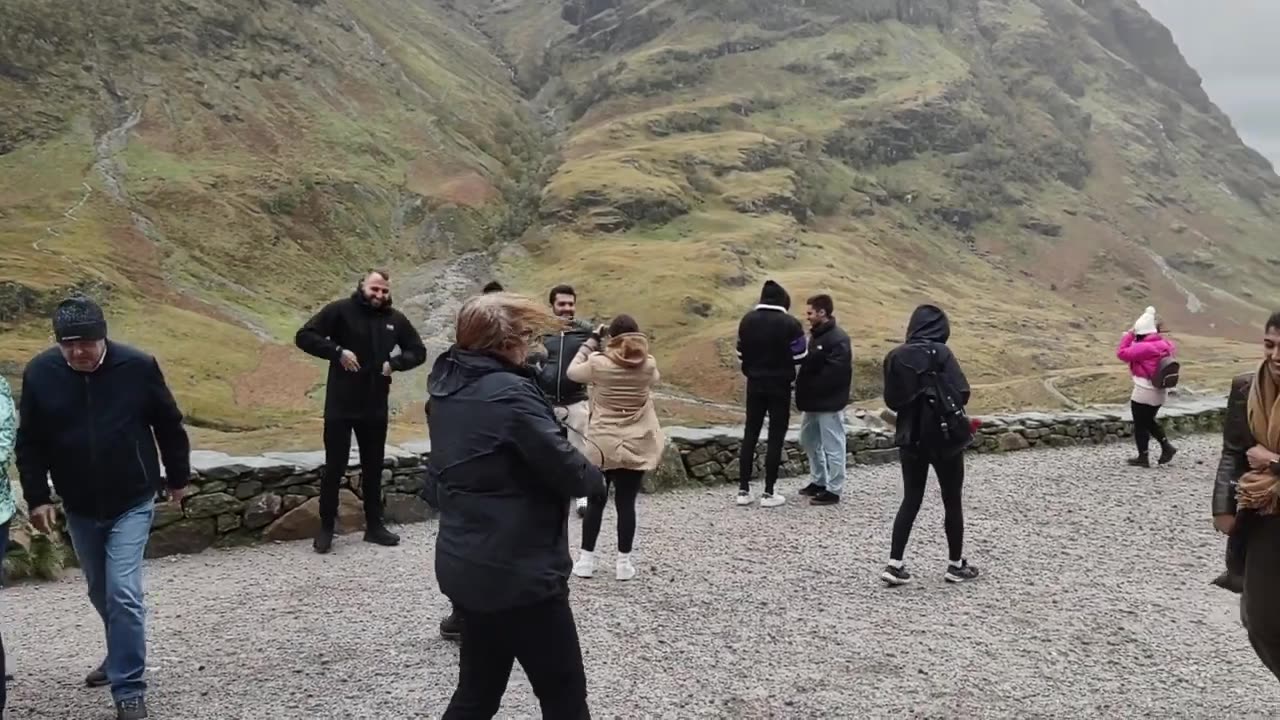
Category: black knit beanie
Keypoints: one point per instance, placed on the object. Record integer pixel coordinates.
(79, 318)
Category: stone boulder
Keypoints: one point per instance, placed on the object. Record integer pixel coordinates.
(404, 508)
(670, 472)
(1012, 441)
(185, 536)
(220, 503)
(303, 521)
(261, 510)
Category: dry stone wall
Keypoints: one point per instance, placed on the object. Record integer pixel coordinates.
(242, 500)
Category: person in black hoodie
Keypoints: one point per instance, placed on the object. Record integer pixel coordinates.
(822, 393)
(916, 374)
(357, 336)
(501, 473)
(771, 344)
(91, 415)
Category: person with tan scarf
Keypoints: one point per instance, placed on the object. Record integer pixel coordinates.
(623, 435)
(1246, 499)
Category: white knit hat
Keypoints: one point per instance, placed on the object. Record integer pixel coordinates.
(1146, 325)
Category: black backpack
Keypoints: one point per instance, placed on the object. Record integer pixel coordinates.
(940, 415)
(1167, 372)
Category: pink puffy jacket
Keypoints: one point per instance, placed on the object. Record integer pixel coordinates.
(1144, 355)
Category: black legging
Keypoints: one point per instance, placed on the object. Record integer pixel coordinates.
(1145, 426)
(626, 486)
(777, 405)
(915, 475)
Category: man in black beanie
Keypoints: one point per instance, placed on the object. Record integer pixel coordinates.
(357, 335)
(771, 344)
(92, 413)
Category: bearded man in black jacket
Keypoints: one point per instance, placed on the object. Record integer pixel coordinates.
(823, 385)
(357, 336)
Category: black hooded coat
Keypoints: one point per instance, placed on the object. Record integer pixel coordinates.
(928, 330)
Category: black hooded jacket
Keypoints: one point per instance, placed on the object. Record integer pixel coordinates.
(928, 329)
(502, 474)
(371, 333)
(552, 364)
(96, 433)
(771, 343)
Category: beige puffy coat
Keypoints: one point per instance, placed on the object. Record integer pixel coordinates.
(623, 432)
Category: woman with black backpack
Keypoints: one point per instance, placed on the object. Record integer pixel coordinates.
(924, 385)
(1149, 356)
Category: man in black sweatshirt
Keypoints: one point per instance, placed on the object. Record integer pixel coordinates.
(771, 344)
(822, 393)
(357, 335)
(92, 414)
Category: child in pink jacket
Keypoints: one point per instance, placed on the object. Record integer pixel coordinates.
(1142, 348)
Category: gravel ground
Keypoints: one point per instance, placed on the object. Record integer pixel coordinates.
(1093, 602)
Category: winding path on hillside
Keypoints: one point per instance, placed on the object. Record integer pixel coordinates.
(1094, 603)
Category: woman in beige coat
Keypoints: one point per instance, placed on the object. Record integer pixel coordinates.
(623, 435)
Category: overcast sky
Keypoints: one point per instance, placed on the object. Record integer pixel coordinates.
(1232, 45)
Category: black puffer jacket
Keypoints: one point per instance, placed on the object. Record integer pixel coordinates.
(929, 329)
(771, 343)
(96, 433)
(826, 373)
(552, 364)
(502, 474)
(371, 333)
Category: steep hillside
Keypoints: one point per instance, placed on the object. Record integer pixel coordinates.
(216, 170)
(1044, 168)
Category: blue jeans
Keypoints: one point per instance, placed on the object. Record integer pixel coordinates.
(110, 554)
(823, 439)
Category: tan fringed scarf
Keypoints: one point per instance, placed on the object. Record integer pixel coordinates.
(1260, 490)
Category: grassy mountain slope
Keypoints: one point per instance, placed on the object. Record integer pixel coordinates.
(215, 171)
(1044, 169)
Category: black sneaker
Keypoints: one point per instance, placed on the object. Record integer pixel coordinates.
(1167, 451)
(323, 541)
(1229, 581)
(134, 708)
(380, 535)
(1140, 461)
(895, 576)
(811, 490)
(824, 498)
(451, 627)
(98, 678)
(960, 574)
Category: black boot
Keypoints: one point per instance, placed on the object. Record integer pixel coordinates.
(378, 534)
(1141, 461)
(1167, 451)
(323, 542)
(451, 627)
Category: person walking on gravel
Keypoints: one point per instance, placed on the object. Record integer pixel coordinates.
(1143, 348)
(502, 473)
(771, 344)
(552, 360)
(1246, 497)
(623, 437)
(924, 385)
(822, 394)
(357, 336)
(92, 413)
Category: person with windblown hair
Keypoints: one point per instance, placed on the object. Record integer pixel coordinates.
(502, 472)
(1143, 348)
(1246, 498)
(623, 435)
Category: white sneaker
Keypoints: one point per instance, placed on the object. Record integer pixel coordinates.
(582, 507)
(744, 499)
(774, 500)
(585, 567)
(626, 570)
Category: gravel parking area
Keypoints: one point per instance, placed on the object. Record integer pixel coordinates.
(1094, 602)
